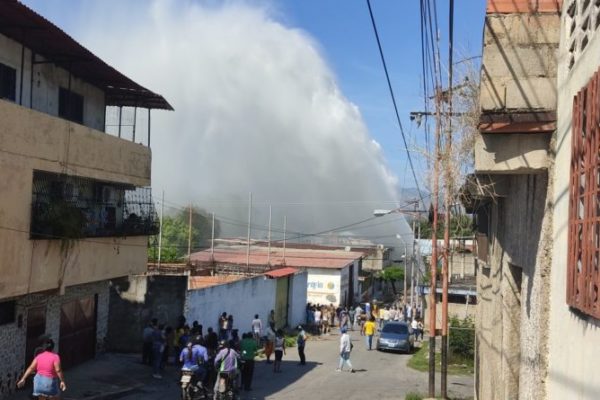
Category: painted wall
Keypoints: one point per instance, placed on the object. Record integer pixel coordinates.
(243, 299)
(32, 140)
(574, 346)
(47, 78)
(324, 286)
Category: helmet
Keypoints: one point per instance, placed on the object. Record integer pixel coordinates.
(223, 343)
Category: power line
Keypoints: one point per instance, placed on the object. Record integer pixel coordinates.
(387, 76)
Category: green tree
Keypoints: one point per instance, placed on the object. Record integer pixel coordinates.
(393, 274)
(460, 226)
(175, 233)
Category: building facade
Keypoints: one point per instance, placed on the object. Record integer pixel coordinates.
(76, 208)
(511, 196)
(574, 320)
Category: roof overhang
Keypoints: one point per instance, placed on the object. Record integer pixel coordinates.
(281, 272)
(25, 26)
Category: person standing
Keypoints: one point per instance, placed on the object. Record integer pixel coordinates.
(301, 342)
(345, 350)
(279, 350)
(248, 349)
(147, 342)
(257, 328)
(318, 320)
(271, 320)
(351, 314)
(270, 343)
(223, 326)
(49, 376)
(369, 330)
(158, 347)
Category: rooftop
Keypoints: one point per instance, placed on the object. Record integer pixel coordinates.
(22, 24)
(298, 258)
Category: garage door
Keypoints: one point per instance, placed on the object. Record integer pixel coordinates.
(77, 331)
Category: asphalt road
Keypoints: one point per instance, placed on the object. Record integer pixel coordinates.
(378, 376)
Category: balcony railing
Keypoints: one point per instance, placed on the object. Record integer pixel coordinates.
(71, 207)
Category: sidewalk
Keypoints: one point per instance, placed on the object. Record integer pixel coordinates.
(109, 376)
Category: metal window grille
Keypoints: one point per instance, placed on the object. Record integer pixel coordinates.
(71, 207)
(583, 274)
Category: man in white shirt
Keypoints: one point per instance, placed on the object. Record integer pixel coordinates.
(256, 328)
(318, 320)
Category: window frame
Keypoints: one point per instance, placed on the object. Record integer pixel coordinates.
(583, 266)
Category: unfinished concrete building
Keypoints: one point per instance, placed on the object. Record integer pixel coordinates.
(510, 193)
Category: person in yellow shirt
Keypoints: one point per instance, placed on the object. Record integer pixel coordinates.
(369, 330)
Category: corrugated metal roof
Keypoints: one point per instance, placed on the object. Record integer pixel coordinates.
(281, 272)
(201, 282)
(25, 26)
(335, 259)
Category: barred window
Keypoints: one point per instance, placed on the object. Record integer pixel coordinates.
(583, 271)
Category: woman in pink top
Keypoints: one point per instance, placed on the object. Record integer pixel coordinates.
(49, 377)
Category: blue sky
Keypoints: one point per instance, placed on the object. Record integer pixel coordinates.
(343, 32)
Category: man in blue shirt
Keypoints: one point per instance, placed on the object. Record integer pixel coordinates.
(194, 358)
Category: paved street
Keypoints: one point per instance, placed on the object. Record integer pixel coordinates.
(378, 376)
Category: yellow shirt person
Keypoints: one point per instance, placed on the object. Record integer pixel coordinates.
(369, 330)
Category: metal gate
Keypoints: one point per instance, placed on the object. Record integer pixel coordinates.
(78, 331)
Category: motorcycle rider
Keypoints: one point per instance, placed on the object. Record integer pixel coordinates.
(195, 358)
(226, 361)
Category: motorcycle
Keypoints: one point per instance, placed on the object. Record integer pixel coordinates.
(226, 389)
(191, 387)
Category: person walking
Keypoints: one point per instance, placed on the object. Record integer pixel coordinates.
(301, 342)
(279, 350)
(257, 328)
(48, 377)
(271, 320)
(318, 320)
(369, 330)
(248, 349)
(345, 350)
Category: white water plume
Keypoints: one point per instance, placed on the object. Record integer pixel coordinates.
(257, 110)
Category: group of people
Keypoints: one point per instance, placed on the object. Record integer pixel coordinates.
(223, 350)
(321, 318)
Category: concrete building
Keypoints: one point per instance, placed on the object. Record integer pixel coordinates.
(574, 320)
(76, 207)
(333, 273)
(511, 195)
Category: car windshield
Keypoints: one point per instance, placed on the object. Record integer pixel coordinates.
(395, 328)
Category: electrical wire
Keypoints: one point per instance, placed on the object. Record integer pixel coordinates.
(387, 76)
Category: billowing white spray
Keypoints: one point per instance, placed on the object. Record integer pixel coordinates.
(257, 110)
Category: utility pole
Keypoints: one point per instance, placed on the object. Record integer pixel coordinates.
(405, 271)
(434, 255)
(269, 248)
(248, 238)
(160, 227)
(447, 194)
(212, 238)
(190, 234)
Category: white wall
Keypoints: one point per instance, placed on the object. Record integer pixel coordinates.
(323, 286)
(297, 312)
(574, 344)
(243, 299)
(46, 81)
